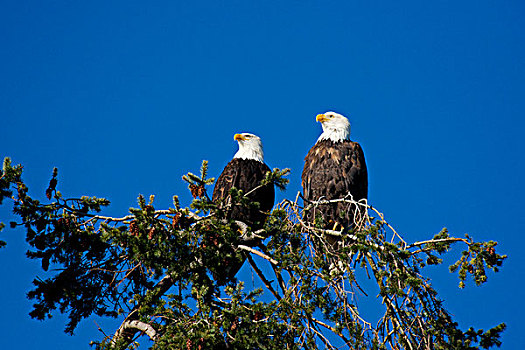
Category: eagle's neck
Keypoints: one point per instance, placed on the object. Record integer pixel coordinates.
(336, 135)
(250, 152)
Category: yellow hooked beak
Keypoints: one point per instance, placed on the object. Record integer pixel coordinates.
(321, 118)
(239, 137)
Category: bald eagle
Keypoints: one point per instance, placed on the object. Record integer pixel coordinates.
(334, 167)
(245, 172)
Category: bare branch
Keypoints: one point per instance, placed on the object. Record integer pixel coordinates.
(443, 240)
(263, 278)
(137, 326)
(256, 252)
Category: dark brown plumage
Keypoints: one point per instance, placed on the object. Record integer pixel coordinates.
(331, 171)
(244, 172)
(245, 175)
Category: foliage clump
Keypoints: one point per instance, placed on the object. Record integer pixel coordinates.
(167, 273)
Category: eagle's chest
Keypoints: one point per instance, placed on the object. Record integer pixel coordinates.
(331, 157)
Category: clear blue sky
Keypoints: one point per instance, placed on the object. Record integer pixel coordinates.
(124, 98)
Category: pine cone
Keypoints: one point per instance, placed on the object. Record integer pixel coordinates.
(177, 219)
(151, 233)
(258, 316)
(133, 228)
(235, 324)
(180, 221)
(197, 191)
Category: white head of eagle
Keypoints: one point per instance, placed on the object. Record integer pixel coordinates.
(335, 127)
(250, 147)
